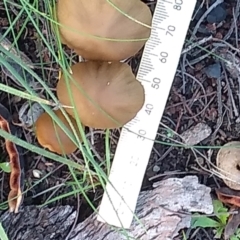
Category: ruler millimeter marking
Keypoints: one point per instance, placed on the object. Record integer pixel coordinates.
(156, 72)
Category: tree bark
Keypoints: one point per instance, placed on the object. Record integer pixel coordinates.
(162, 211)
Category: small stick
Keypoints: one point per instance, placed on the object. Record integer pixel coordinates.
(204, 16)
(195, 44)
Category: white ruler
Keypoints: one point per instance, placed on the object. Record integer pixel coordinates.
(156, 73)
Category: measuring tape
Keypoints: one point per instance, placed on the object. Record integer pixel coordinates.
(156, 72)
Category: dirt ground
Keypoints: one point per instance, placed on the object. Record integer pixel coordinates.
(205, 90)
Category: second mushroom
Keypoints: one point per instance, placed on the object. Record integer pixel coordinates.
(106, 95)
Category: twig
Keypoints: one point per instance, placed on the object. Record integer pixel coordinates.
(94, 151)
(183, 70)
(206, 234)
(230, 93)
(233, 25)
(189, 100)
(204, 16)
(238, 78)
(226, 43)
(165, 154)
(188, 109)
(220, 112)
(209, 163)
(204, 109)
(6, 44)
(177, 172)
(179, 119)
(200, 84)
(196, 44)
(199, 59)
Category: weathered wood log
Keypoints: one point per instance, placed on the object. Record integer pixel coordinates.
(158, 210)
(32, 223)
(162, 211)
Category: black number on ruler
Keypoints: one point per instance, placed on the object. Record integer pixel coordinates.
(148, 108)
(141, 134)
(156, 83)
(170, 29)
(163, 57)
(178, 4)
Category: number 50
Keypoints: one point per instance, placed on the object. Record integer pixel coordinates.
(156, 83)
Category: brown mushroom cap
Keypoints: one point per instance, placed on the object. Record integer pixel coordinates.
(51, 136)
(80, 19)
(228, 160)
(112, 86)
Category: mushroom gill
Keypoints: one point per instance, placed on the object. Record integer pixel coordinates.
(83, 23)
(228, 162)
(114, 95)
(52, 137)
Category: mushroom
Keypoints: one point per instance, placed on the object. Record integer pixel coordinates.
(52, 137)
(83, 24)
(228, 161)
(106, 95)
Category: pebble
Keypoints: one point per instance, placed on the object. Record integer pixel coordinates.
(196, 134)
(36, 173)
(156, 168)
(217, 15)
(214, 70)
